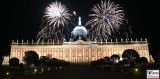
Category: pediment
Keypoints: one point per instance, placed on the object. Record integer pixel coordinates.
(80, 42)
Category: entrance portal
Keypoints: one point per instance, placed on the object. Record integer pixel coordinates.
(80, 58)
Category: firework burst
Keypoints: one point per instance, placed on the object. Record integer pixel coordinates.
(106, 20)
(56, 17)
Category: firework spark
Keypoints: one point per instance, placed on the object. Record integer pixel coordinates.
(74, 12)
(106, 20)
(56, 17)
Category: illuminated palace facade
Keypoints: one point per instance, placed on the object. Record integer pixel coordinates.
(80, 51)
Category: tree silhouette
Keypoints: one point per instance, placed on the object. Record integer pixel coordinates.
(106, 58)
(143, 60)
(30, 57)
(52, 62)
(114, 58)
(43, 60)
(14, 62)
(157, 58)
(131, 55)
(1, 59)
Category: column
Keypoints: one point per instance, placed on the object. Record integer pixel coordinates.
(70, 57)
(89, 54)
(96, 53)
(83, 55)
(58, 51)
(76, 54)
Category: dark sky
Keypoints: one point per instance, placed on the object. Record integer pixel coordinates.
(20, 19)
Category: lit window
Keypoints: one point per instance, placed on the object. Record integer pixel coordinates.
(92, 54)
(55, 54)
(73, 55)
(66, 54)
(86, 54)
(60, 56)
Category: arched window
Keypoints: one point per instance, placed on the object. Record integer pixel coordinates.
(73, 54)
(66, 54)
(92, 54)
(86, 54)
(99, 55)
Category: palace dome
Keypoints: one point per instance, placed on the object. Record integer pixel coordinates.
(79, 31)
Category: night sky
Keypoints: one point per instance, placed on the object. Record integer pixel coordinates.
(21, 19)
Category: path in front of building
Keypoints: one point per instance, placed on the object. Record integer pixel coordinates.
(86, 73)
